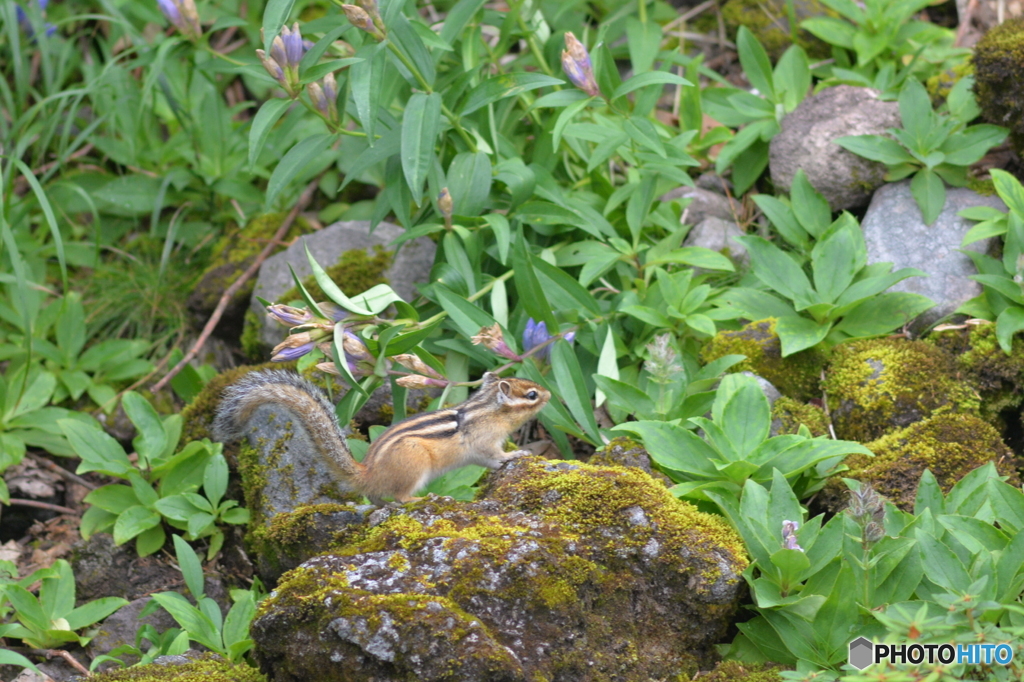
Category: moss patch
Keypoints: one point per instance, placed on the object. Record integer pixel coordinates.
(788, 415)
(735, 671)
(997, 377)
(796, 376)
(768, 21)
(880, 385)
(207, 668)
(950, 445)
(998, 62)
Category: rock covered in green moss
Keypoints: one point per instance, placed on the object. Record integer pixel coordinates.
(998, 64)
(997, 377)
(789, 415)
(187, 668)
(950, 445)
(795, 376)
(561, 570)
(769, 21)
(880, 385)
(626, 452)
(233, 254)
(353, 247)
(735, 671)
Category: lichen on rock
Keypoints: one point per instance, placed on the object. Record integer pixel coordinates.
(796, 376)
(880, 385)
(949, 445)
(560, 570)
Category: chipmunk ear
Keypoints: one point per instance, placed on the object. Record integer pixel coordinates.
(504, 390)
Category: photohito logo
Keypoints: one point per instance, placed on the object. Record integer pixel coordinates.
(864, 652)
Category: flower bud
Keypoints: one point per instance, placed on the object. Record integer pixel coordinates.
(288, 315)
(493, 340)
(413, 362)
(417, 381)
(576, 65)
(293, 347)
(359, 18)
(184, 16)
(445, 203)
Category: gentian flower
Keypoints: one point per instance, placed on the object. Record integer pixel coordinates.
(576, 65)
(26, 24)
(324, 96)
(361, 18)
(285, 54)
(493, 340)
(536, 333)
(789, 529)
(184, 16)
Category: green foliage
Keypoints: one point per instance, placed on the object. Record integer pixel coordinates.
(736, 447)
(781, 90)
(49, 619)
(933, 148)
(843, 296)
(204, 623)
(875, 29)
(162, 484)
(952, 570)
(1003, 300)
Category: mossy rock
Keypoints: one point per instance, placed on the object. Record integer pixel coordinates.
(626, 452)
(940, 84)
(356, 271)
(735, 671)
(199, 668)
(997, 377)
(998, 63)
(560, 570)
(880, 385)
(768, 20)
(233, 255)
(198, 414)
(949, 445)
(796, 376)
(789, 415)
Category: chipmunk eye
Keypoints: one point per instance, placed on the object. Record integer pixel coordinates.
(532, 395)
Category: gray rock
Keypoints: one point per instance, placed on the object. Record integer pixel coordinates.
(714, 182)
(717, 234)
(767, 387)
(411, 264)
(561, 570)
(805, 141)
(895, 233)
(705, 204)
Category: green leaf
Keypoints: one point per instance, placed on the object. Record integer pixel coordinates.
(941, 564)
(644, 40)
(573, 387)
(420, 125)
(755, 62)
(176, 507)
(408, 41)
(215, 479)
(151, 439)
(528, 287)
(295, 161)
(650, 78)
(930, 194)
(777, 270)
(915, 110)
(646, 314)
(8, 657)
(197, 624)
(792, 77)
(99, 452)
(883, 314)
(1009, 190)
(876, 148)
(675, 448)
(834, 31)
(150, 541)
(94, 612)
(367, 78)
(467, 317)
(626, 396)
(275, 14)
(191, 568)
(834, 264)
(505, 85)
(783, 219)
(809, 206)
(370, 302)
(1009, 322)
(469, 181)
(269, 114)
(698, 257)
(743, 412)
(133, 521)
(565, 118)
(971, 144)
(799, 333)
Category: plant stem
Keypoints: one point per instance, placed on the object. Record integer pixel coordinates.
(531, 39)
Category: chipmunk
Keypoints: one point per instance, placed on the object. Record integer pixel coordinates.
(410, 453)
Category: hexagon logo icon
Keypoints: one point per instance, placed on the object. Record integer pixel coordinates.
(862, 653)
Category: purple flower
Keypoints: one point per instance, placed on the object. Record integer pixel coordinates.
(324, 96)
(536, 333)
(292, 353)
(577, 66)
(183, 15)
(789, 529)
(286, 52)
(26, 25)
